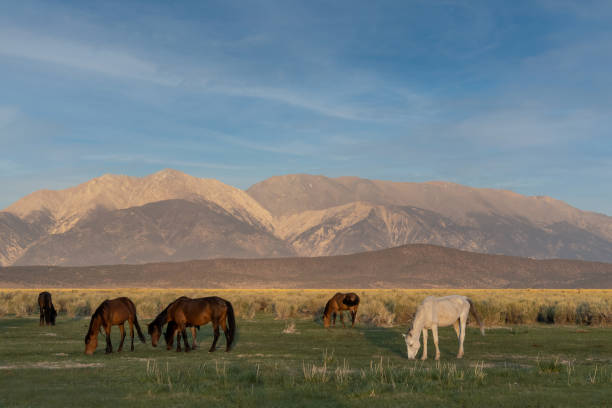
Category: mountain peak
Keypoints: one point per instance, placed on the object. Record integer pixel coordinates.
(169, 173)
(114, 192)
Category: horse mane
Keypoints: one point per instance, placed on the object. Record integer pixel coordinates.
(98, 313)
(327, 307)
(160, 319)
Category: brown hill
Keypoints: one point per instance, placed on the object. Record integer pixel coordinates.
(410, 266)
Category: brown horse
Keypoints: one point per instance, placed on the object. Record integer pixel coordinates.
(161, 319)
(339, 303)
(112, 312)
(47, 311)
(195, 312)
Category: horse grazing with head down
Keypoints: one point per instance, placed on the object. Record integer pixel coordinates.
(437, 312)
(156, 325)
(195, 312)
(339, 303)
(47, 311)
(112, 312)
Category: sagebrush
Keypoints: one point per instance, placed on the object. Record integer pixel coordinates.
(378, 307)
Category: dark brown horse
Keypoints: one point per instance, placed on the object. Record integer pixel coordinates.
(339, 303)
(195, 312)
(112, 312)
(162, 317)
(47, 311)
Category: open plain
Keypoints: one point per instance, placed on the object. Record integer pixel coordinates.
(284, 357)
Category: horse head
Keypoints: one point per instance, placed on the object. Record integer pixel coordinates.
(413, 344)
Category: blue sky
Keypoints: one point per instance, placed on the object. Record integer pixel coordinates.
(510, 95)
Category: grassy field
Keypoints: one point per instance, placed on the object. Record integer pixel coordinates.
(294, 361)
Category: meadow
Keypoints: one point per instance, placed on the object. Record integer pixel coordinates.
(542, 348)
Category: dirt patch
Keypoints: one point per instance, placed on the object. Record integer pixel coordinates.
(51, 365)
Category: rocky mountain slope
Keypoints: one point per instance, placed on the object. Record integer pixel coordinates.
(324, 216)
(171, 216)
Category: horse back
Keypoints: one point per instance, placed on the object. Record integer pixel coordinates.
(119, 310)
(199, 311)
(44, 299)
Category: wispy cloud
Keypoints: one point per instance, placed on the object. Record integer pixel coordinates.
(100, 59)
(525, 127)
(143, 159)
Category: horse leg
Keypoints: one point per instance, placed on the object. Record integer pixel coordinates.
(341, 313)
(194, 336)
(109, 345)
(353, 315)
(216, 332)
(178, 339)
(42, 317)
(462, 336)
(131, 334)
(334, 319)
(424, 356)
(47, 316)
(226, 332)
(434, 330)
(122, 333)
(185, 339)
(456, 327)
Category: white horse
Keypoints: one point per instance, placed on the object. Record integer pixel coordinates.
(442, 312)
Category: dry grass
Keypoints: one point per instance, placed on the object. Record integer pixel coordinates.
(378, 307)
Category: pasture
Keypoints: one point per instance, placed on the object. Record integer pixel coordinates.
(284, 357)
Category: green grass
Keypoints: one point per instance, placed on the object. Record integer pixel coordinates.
(365, 366)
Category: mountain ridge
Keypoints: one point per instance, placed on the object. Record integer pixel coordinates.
(415, 266)
(291, 215)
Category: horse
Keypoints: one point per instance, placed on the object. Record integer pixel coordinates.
(47, 310)
(196, 312)
(437, 312)
(154, 328)
(112, 312)
(338, 303)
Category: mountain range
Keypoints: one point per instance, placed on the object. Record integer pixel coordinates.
(172, 216)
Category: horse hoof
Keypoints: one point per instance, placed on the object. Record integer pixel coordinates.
(211, 350)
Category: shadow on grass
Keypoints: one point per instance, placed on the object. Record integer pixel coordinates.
(388, 339)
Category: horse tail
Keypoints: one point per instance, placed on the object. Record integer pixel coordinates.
(140, 335)
(476, 316)
(231, 321)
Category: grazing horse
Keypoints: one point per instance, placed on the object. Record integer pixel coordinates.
(112, 312)
(196, 312)
(338, 303)
(155, 326)
(437, 312)
(47, 311)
